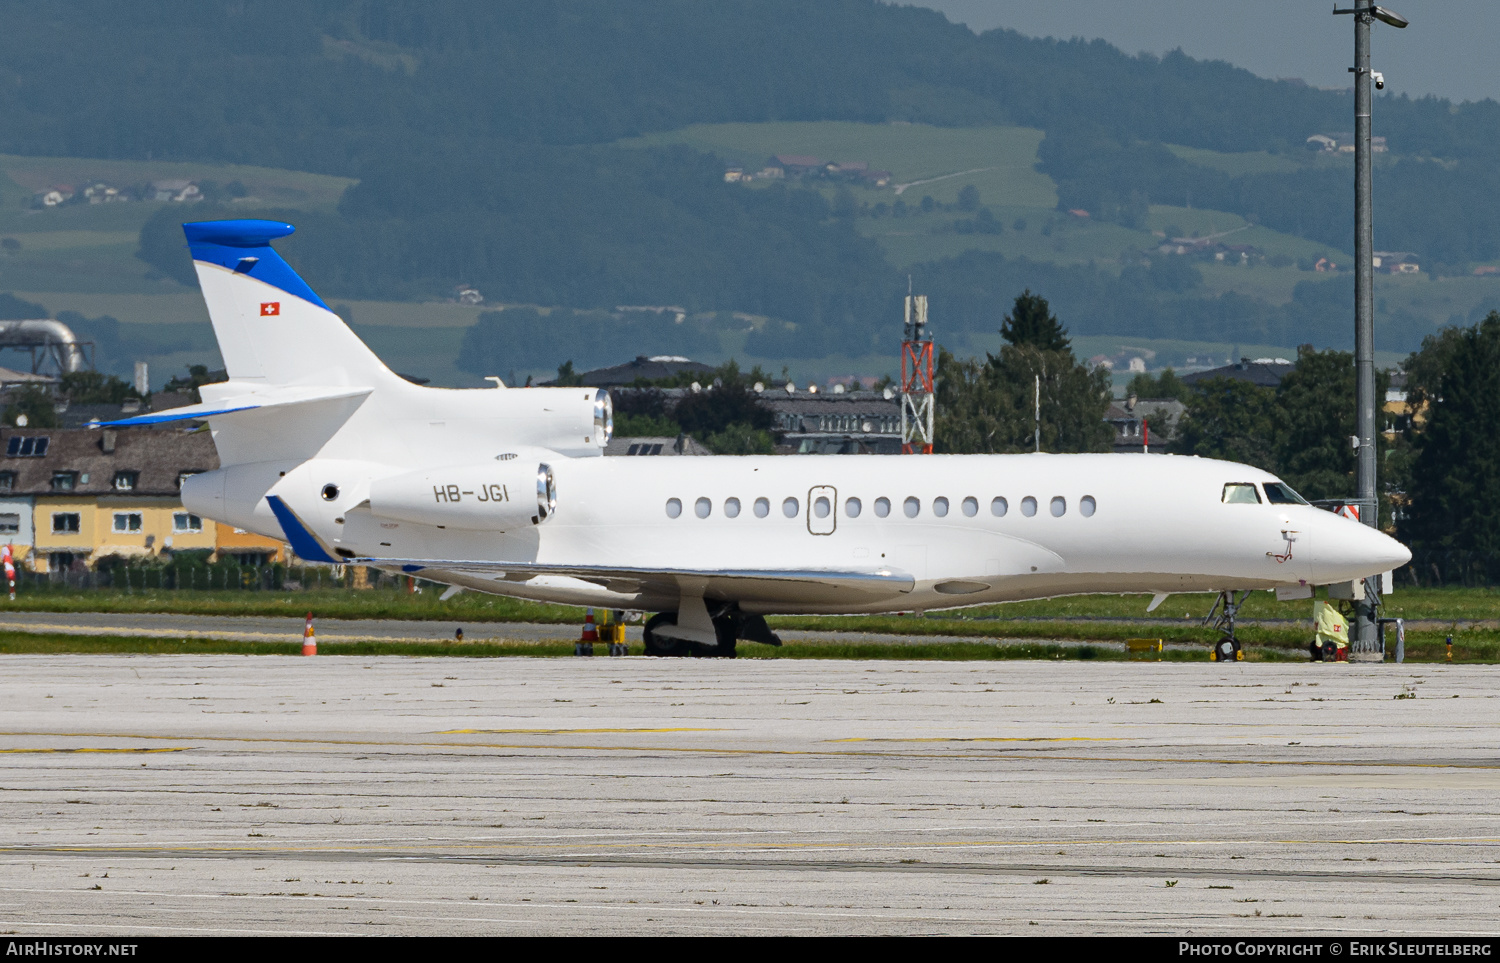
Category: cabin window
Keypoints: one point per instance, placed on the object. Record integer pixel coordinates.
(852, 507)
(999, 506)
(790, 507)
(127, 521)
(731, 508)
(674, 507)
(1240, 493)
(1087, 506)
(703, 508)
(912, 506)
(762, 507)
(1028, 506)
(940, 507)
(1059, 506)
(882, 507)
(822, 507)
(1279, 493)
(971, 506)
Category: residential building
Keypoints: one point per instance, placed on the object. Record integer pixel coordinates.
(1139, 421)
(834, 423)
(643, 368)
(1266, 372)
(655, 445)
(89, 494)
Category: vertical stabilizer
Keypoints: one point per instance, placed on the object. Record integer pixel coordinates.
(271, 327)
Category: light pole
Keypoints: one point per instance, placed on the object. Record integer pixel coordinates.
(1365, 12)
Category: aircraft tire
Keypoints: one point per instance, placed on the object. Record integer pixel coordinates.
(660, 646)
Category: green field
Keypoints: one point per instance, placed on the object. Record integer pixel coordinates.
(1252, 162)
(82, 257)
(999, 161)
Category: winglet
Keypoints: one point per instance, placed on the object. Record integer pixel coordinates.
(299, 536)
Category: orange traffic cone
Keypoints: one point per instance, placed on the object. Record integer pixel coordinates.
(590, 633)
(309, 641)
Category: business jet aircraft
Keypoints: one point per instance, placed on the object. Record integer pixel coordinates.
(503, 490)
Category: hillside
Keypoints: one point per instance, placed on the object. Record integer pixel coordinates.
(571, 154)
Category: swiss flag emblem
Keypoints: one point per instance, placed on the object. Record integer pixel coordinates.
(270, 309)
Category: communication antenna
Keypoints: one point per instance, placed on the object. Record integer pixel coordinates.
(916, 378)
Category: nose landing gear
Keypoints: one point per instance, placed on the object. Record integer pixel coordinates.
(1222, 617)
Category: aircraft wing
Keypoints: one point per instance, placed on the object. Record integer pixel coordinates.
(250, 401)
(711, 583)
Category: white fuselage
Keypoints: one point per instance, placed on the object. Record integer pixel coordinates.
(1157, 524)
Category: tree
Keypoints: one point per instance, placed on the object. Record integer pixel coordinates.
(1315, 420)
(1300, 429)
(1232, 420)
(968, 198)
(730, 401)
(1165, 385)
(991, 406)
(1455, 479)
(93, 388)
(1031, 323)
(33, 402)
(198, 376)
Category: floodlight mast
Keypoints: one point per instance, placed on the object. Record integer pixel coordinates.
(1364, 635)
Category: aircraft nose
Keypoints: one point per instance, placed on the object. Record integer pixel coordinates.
(1345, 550)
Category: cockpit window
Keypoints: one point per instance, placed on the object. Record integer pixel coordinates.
(1241, 493)
(1280, 493)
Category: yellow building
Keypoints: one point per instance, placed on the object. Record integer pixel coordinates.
(100, 493)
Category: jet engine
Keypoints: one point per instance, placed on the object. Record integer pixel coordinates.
(508, 493)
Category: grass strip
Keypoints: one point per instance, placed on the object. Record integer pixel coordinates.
(1457, 605)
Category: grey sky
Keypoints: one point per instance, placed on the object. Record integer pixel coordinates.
(1447, 50)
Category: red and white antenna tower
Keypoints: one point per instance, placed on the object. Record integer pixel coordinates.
(916, 380)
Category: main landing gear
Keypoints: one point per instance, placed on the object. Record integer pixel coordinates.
(730, 626)
(1222, 617)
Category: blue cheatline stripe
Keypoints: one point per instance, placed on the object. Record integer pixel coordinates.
(244, 246)
(303, 542)
(171, 415)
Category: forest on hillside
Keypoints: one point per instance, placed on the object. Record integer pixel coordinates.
(481, 132)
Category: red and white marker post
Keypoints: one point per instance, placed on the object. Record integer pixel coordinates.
(8, 556)
(309, 641)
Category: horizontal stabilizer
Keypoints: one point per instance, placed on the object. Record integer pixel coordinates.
(251, 401)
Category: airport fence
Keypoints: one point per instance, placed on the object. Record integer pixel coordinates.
(218, 577)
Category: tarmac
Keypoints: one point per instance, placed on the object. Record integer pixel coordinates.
(386, 795)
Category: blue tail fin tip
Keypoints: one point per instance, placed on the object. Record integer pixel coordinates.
(243, 232)
(244, 247)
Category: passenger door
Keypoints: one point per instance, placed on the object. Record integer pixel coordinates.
(822, 509)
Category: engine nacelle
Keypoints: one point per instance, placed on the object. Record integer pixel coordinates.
(513, 491)
(573, 421)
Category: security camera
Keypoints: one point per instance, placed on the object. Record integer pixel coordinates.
(1379, 79)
